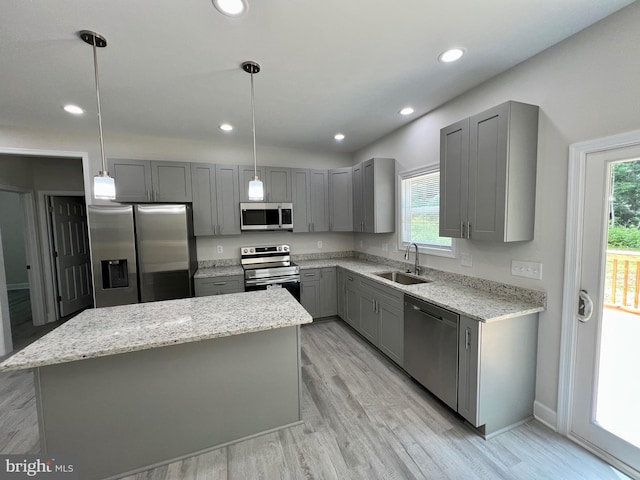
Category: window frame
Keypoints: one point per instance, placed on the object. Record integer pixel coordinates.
(449, 252)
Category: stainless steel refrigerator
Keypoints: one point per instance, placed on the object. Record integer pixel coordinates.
(141, 253)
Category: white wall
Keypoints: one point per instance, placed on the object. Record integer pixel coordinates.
(587, 87)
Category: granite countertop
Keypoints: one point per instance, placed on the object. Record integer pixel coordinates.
(212, 272)
(112, 330)
(482, 300)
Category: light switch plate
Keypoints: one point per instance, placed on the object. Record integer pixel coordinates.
(319, 243)
(466, 260)
(220, 249)
(520, 268)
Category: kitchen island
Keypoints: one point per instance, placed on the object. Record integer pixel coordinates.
(121, 389)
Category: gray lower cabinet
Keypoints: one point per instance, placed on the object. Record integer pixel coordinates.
(276, 182)
(497, 371)
(341, 199)
(216, 199)
(488, 174)
(310, 196)
(340, 292)
(373, 310)
(218, 285)
(387, 319)
(151, 181)
(352, 300)
(318, 291)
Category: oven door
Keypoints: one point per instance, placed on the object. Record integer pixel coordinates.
(291, 284)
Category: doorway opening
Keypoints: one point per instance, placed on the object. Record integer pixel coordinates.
(618, 384)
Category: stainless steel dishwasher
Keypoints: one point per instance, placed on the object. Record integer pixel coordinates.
(431, 348)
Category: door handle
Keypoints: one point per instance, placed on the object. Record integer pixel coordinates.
(585, 306)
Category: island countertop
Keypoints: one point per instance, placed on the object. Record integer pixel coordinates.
(128, 328)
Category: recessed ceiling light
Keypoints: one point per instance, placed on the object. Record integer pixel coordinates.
(226, 127)
(451, 55)
(74, 109)
(231, 8)
(339, 136)
(406, 111)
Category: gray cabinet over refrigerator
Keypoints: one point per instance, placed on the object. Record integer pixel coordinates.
(151, 181)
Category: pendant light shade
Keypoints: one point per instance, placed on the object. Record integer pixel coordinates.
(104, 186)
(256, 188)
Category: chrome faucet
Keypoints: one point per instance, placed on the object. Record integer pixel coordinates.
(417, 268)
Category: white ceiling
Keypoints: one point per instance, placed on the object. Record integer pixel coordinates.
(172, 67)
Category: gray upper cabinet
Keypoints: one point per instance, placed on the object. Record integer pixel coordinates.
(358, 218)
(310, 194)
(216, 199)
(171, 181)
(341, 200)
(276, 181)
(227, 199)
(133, 179)
(490, 160)
(246, 173)
(278, 184)
(374, 196)
(300, 181)
(454, 178)
(151, 181)
(319, 186)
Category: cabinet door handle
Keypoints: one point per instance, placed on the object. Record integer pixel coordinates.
(309, 274)
(467, 338)
(462, 230)
(220, 283)
(374, 305)
(148, 195)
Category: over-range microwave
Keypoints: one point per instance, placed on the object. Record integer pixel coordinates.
(266, 216)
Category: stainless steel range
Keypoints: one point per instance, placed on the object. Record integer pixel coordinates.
(270, 267)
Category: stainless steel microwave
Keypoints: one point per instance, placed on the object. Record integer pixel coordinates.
(266, 216)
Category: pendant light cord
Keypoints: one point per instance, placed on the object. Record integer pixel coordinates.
(95, 69)
(253, 120)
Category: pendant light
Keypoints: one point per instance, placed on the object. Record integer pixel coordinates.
(256, 189)
(104, 186)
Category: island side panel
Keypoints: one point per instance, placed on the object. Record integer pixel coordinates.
(124, 412)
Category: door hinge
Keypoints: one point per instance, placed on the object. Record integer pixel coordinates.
(55, 254)
(59, 298)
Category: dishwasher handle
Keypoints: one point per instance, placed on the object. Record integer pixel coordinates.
(433, 316)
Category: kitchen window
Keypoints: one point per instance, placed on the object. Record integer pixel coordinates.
(420, 211)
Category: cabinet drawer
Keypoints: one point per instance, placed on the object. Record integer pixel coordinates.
(309, 275)
(218, 285)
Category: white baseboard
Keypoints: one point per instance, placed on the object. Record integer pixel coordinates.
(18, 286)
(545, 415)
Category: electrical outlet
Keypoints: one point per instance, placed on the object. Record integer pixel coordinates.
(220, 249)
(385, 247)
(319, 243)
(520, 268)
(466, 260)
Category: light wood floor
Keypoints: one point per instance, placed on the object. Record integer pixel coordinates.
(363, 419)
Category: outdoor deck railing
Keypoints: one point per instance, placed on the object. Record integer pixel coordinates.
(622, 287)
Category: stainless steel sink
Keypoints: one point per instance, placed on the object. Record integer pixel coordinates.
(402, 278)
